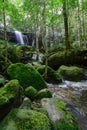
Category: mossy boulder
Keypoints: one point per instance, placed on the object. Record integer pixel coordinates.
(52, 76)
(72, 73)
(30, 92)
(26, 75)
(22, 119)
(44, 93)
(69, 57)
(61, 117)
(56, 60)
(24, 53)
(2, 80)
(10, 95)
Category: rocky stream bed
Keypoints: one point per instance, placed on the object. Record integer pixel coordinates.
(74, 94)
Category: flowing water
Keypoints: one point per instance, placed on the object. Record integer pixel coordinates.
(74, 94)
(19, 37)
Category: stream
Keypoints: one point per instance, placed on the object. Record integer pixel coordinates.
(74, 94)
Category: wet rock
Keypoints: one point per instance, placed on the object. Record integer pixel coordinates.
(83, 96)
(60, 116)
(26, 104)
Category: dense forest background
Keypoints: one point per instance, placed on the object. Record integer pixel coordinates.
(57, 21)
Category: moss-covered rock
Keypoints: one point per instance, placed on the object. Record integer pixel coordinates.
(52, 76)
(24, 53)
(2, 80)
(69, 57)
(44, 93)
(26, 75)
(22, 119)
(61, 118)
(72, 73)
(30, 92)
(10, 95)
(56, 60)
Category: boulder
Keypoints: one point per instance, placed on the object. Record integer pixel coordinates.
(24, 53)
(23, 119)
(56, 60)
(10, 95)
(26, 104)
(72, 73)
(26, 75)
(52, 76)
(44, 93)
(69, 57)
(61, 118)
(30, 92)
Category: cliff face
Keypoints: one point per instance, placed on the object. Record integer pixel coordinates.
(28, 38)
(10, 36)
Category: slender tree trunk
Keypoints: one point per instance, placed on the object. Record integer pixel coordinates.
(5, 31)
(83, 22)
(37, 33)
(65, 15)
(44, 41)
(37, 42)
(79, 25)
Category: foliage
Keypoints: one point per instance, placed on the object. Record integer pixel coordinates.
(26, 75)
(22, 119)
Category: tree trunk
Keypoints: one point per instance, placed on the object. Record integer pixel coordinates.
(65, 15)
(44, 41)
(5, 31)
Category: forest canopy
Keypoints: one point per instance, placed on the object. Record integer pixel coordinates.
(58, 20)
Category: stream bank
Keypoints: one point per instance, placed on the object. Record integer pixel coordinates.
(74, 94)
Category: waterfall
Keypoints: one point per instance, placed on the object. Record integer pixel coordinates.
(19, 37)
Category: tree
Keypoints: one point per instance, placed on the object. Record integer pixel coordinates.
(5, 29)
(65, 14)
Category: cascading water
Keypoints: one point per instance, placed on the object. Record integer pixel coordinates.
(19, 37)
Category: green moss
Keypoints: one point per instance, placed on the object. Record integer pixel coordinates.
(44, 93)
(63, 124)
(26, 75)
(52, 76)
(24, 53)
(71, 73)
(10, 96)
(22, 119)
(69, 121)
(56, 60)
(30, 92)
(9, 92)
(60, 104)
